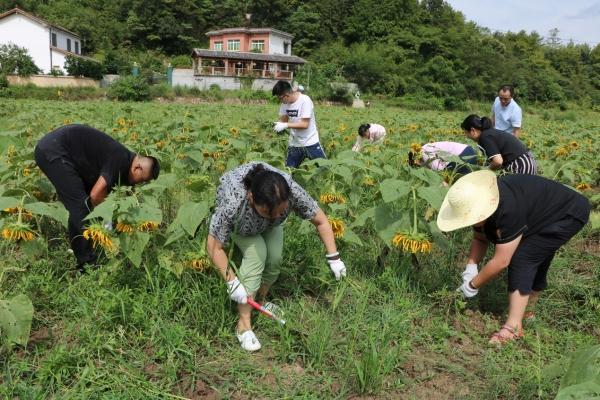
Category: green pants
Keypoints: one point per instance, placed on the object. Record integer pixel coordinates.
(261, 257)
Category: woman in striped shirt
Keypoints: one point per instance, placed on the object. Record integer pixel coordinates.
(502, 151)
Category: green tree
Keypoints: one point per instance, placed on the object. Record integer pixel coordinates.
(16, 60)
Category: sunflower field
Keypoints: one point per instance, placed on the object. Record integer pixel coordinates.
(155, 321)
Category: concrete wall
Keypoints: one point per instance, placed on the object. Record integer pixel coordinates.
(23, 32)
(52, 81)
(276, 44)
(186, 77)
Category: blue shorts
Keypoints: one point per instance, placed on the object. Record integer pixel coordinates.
(468, 156)
(296, 155)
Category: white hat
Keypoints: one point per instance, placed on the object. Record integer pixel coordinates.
(472, 199)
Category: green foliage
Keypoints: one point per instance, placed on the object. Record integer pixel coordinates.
(16, 60)
(78, 66)
(3, 81)
(182, 61)
(15, 319)
(129, 88)
(582, 379)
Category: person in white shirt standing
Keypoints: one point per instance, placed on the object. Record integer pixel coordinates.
(297, 113)
(506, 113)
(373, 133)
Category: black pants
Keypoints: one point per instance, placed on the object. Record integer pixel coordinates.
(71, 192)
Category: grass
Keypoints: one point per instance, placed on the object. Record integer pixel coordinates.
(395, 331)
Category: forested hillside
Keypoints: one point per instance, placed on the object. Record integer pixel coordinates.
(392, 47)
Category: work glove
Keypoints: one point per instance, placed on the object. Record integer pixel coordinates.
(470, 272)
(280, 126)
(467, 290)
(108, 226)
(337, 266)
(237, 291)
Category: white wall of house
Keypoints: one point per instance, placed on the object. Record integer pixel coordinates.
(58, 61)
(61, 41)
(23, 32)
(185, 77)
(276, 44)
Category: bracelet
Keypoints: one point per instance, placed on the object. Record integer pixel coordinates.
(333, 256)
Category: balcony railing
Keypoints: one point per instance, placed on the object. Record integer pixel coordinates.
(255, 73)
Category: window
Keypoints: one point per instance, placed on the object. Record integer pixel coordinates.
(68, 44)
(54, 39)
(286, 47)
(218, 46)
(233, 45)
(76, 47)
(258, 46)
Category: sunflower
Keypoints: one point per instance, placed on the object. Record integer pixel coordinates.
(99, 237)
(368, 181)
(415, 147)
(331, 145)
(124, 227)
(121, 122)
(582, 186)
(328, 198)
(412, 243)
(337, 225)
(224, 142)
(25, 214)
(67, 121)
(234, 131)
(574, 144)
(342, 128)
(563, 151)
(17, 231)
(200, 263)
(160, 144)
(148, 226)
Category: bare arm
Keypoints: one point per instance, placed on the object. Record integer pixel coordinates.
(219, 257)
(479, 246)
(502, 256)
(516, 132)
(496, 161)
(302, 124)
(283, 118)
(99, 191)
(325, 232)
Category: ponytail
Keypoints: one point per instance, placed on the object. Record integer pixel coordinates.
(474, 121)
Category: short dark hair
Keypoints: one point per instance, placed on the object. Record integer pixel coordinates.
(269, 188)
(155, 167)
(477, 122)
(510, 88)
(281, 88)
(363, 129)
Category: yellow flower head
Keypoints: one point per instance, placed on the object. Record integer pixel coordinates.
(234, 131)
(574, 144)
(148, 226)
(583, 186)
(160, 144)
(337, 225)
(342, 128)
(415, 147)
(99, 237)
(17, 231)
(124, 227)
(67, 121)
(122, 122)
(25, 214)
(224, 142)
(200, 264)
(412, 243)
(328, 198)
(368, 181)
(563, 151)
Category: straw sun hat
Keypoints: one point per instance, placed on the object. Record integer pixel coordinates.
(473, 198)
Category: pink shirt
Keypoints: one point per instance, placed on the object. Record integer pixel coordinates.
(375, 134)
(438, 151)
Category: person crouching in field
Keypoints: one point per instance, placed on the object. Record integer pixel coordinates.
(298, 114)
(439, 156)
(528, 218)
(372, 133)
(84, 164)
(252, 202)
(502, 151)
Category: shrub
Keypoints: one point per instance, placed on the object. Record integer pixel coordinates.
(454, 104)
(129, 88)
(3, 81)
(78, 66)
(161, 90)
(182, 61)
(340, 94)
(15, 60)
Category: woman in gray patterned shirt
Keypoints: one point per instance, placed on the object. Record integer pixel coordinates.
(252, 202)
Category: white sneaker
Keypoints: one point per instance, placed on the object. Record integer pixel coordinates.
(249, 341)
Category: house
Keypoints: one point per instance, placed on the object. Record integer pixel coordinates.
(261, 53)
(47, 44)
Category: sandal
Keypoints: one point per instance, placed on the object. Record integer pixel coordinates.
(498, 338)
(248, 341)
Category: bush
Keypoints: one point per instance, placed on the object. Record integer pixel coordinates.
(15, 60)
(161, 90)
(454, 104)
(182, 61)
(3, 81)
(78, 66)
(129, 88)
(340, 94)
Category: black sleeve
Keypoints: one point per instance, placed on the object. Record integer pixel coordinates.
(489, 145)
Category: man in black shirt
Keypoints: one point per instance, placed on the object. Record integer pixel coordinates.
(84, 164)
(528, 218)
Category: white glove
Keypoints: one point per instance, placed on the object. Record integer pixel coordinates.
(467, 290)
(108, 226)
(237, 291)
(470, 272)
(338, 268)
(279, 126)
